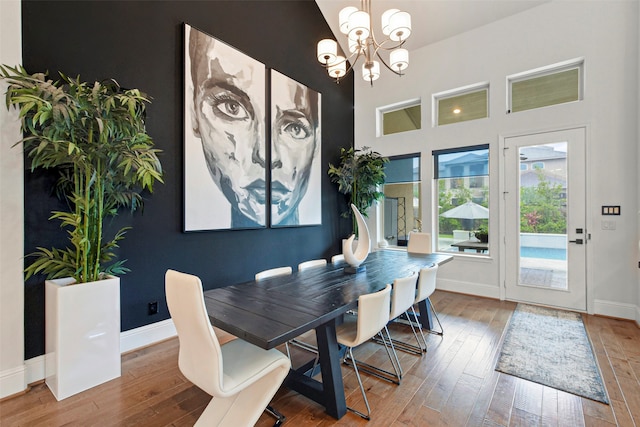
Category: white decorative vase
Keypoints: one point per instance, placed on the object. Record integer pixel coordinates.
(355, 257)
(82, 334)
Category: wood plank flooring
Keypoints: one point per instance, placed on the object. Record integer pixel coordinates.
(454, 384)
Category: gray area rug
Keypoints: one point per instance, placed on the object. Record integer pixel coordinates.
(551, 347)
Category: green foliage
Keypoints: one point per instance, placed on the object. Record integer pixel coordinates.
(94, 135)
(359, 176)
(482, 233)
(542, 208)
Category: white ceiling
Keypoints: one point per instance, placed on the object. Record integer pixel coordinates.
(432, 20)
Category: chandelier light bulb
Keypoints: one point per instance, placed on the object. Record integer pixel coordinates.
(399, 26)
(343, 18)
(399, 59)
(338, 68)
(327, 51)
(359, 25)
(386, 17)
(371, 71)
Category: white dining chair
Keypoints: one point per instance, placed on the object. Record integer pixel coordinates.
(337, 258)
(402, 297)
(273, 272)
(283, 271)
(241, 377)
(311, 264)
(419, 243)
(425, 288)
(373, 315)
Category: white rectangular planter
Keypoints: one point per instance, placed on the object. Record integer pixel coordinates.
(82, 335)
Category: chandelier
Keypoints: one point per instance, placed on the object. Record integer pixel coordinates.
(356, 25)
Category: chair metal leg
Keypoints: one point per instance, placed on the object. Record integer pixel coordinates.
(286, 346)
(423, 345)
(305, 346)
(280, 418)
(393, 377)
(435, 313)
(364, 395)
(404, 346)
(396, 367)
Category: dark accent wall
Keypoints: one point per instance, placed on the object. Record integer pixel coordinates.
(140, 44)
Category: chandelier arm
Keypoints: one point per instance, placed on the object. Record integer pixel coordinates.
(348, 60)
(399, 73)
(379, 46)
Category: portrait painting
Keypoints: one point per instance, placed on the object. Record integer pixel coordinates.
(224, 138)
(295, 153)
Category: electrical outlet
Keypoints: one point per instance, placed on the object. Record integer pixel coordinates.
(153, 308)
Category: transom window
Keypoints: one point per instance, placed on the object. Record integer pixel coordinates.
(555, 84)
(401, 117)
(462, 104)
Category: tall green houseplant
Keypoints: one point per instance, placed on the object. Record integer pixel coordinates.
(359, 175)
(94, 136)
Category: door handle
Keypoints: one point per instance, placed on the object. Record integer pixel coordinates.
(577, 241)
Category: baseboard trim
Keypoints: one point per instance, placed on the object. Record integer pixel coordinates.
(638, 316)
(147, 335)
(33, 369)
(471, 288)
(616, 309)
(12, 381)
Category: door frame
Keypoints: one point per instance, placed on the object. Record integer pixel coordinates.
(588, 208)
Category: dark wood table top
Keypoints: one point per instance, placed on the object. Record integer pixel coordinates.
(468, 244)
(272, 311)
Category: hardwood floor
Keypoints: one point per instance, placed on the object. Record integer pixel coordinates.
(454, 384)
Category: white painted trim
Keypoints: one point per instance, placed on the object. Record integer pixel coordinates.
(638, 316)
(616, 309)
(34, 368)
(147, 335)
(12, 381)
(470, 288)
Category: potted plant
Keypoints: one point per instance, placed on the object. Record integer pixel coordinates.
(359, 175)
(482, 234)
(94, 136)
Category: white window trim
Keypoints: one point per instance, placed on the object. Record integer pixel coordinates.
(475, 87)
(380, 112)
(548, 70)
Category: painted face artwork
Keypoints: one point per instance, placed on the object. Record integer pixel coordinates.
(228, 117)
(294, 135)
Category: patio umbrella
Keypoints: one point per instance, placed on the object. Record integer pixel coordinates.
(468, 210)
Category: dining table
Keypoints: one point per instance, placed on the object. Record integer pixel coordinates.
(272, 311)
(471, 244)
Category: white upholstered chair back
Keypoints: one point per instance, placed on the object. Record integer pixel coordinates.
(311, 264)
(200, 358)
(402, 295)
(419, 243)
(426, 282)
(272, 272)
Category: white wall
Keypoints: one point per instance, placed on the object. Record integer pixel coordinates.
(605, 34)
(12, 370)
(638, 170)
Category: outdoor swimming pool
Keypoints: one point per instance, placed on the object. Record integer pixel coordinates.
(544, 253)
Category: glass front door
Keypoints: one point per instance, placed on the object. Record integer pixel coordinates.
(545, 219)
